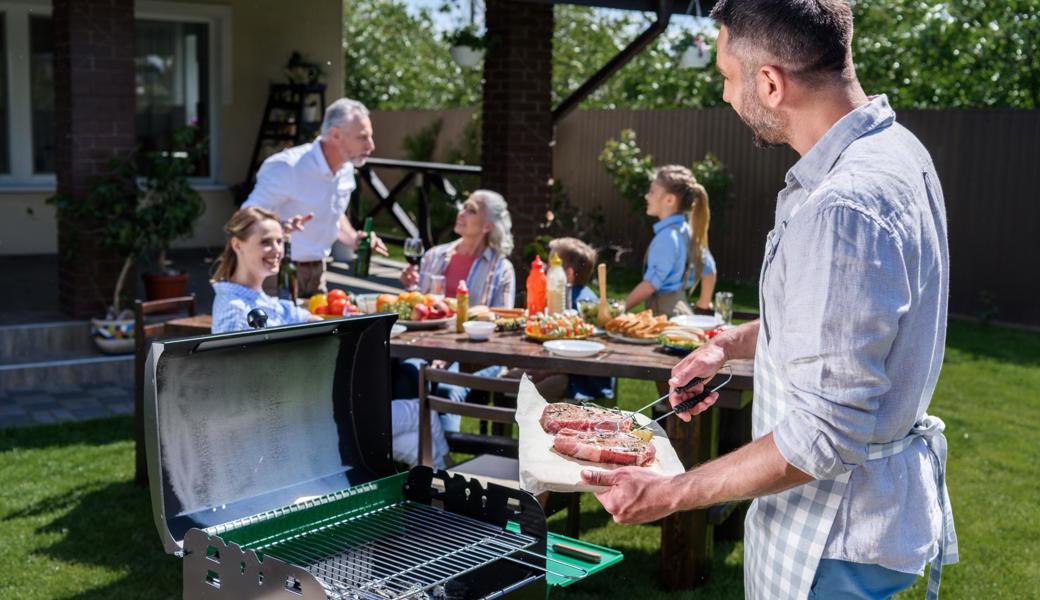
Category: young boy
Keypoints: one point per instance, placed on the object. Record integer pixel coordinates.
(579, 260)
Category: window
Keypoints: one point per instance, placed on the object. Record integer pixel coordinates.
(174, 83)
(41, 92)
(5, 164)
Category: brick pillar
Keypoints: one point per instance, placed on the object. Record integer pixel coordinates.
(94, 121)
(517, 126)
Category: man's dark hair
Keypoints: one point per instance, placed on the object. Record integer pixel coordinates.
(812, 39)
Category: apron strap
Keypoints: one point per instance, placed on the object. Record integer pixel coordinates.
(930, 429)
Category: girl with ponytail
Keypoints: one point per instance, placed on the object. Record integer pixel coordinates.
(678, 257)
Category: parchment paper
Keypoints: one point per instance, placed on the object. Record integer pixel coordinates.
(543, 469)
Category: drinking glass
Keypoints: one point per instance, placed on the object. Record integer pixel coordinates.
(413, 252)
(437, 286)
(724, 307)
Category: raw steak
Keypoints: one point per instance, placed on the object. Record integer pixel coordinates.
(560, 415)
(617, 448)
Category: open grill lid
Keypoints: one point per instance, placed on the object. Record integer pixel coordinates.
(241, 424)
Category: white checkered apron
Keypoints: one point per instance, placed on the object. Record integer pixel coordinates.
(785, 533)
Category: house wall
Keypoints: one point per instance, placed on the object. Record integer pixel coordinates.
(263, 33)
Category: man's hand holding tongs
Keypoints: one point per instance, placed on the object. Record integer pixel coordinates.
(704, 363)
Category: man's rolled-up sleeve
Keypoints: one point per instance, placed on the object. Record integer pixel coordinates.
(846, 288)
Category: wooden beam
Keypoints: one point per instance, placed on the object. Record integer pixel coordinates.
(614, 65)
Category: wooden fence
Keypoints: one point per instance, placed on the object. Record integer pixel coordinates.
(987, 161)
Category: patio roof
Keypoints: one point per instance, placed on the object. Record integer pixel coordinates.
(675, 7)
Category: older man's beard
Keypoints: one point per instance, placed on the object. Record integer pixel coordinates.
(768, 128)
(359, 161)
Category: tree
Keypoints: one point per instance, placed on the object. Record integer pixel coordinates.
(395, 60)
(922, 53)
(962, 53)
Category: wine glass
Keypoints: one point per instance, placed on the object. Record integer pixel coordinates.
(413, 251)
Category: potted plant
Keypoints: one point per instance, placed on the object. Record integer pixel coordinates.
(135, 214)
(168, 209)
(467, 46)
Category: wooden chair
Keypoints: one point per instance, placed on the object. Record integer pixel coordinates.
(143, 332)
(495, 457)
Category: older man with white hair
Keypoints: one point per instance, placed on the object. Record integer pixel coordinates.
(313, 182)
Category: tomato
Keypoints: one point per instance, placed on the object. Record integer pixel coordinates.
(321, 309)
(336, 306)
(336, 295)
(712, 333)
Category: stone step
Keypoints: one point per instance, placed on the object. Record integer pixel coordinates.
(56, 373)
(40, 342)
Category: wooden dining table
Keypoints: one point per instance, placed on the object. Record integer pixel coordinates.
(687, 538)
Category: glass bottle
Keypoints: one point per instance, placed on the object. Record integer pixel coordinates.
(364, 251)
(287, 286)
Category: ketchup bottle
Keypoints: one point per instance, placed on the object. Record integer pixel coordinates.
(536, 284)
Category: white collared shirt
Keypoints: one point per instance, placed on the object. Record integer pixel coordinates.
(297, 181)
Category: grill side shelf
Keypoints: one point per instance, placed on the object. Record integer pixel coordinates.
(298, 519)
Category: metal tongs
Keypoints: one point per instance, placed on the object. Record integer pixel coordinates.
(689, 402)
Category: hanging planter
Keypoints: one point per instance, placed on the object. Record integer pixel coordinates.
(467, 47)
(697, 54)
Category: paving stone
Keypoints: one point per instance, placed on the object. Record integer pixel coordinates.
(43, 417)
(91, 413)
(42, 406)
(122, 409)
(63, 415)
(30, 400)
(108, 390)
(11, 409)
(16, 421)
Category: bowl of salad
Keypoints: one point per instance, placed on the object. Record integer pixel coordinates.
(557, 327)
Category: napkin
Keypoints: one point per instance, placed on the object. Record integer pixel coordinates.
(543, 469)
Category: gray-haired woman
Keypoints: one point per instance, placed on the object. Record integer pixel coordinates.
(479, 256)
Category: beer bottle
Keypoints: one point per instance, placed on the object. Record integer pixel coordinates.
(364, 251)
(287, 287)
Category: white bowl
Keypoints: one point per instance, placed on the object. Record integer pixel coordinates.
(367, 303)
(704, 322)
(479, 331)
(397, 329)
(574, 348)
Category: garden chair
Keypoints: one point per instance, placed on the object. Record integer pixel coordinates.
(495, 456)
(143, 332)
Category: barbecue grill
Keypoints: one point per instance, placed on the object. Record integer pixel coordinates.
(270, 468)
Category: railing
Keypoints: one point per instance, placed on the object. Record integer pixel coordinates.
(426, 176)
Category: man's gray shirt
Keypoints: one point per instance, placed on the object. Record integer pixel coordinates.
(855, 306)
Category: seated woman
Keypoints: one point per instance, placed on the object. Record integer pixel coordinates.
(479, 256)
(678, 257)
(252, 253)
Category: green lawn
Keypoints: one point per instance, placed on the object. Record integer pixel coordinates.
(72, 524)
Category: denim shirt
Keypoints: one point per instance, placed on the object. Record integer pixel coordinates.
(666, 256)
(854, 307)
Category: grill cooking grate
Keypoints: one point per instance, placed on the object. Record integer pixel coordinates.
(399, 551)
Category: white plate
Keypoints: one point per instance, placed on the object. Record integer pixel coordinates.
(574, 348)
(704, 322)
(397, 330)
(427, 324)
(631, 340)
